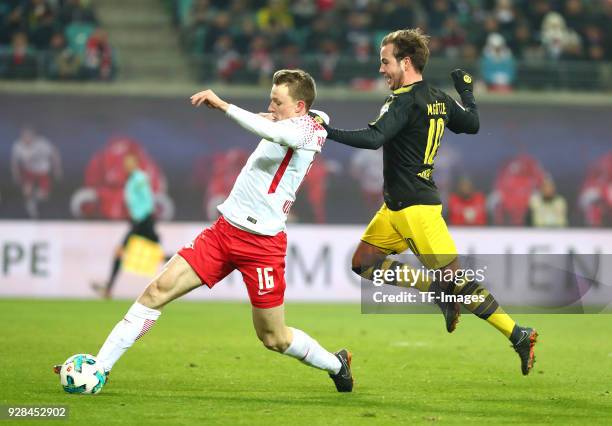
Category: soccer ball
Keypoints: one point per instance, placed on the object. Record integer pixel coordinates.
(82, 373)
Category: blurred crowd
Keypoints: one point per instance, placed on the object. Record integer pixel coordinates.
(55, 39)
(250, 38)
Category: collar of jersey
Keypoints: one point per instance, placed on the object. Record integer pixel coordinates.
(405, 89)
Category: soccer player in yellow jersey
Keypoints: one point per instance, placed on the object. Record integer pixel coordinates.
(410, 127)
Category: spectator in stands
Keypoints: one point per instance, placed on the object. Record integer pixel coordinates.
(34, 162)
(466, 206)
(523, 43)
(547, 209)
(452, 38)
(304, 12)
(274, 15)
(497, 64)
(290, 57)
(357, 36)
(41, 23)
(220, 27)
(260, 60)
(228, 59)
(201, 14)
(594, 39)
(505, 14)
(535, 11)
(323, 30)
(557, 38)
(438, 11)
(62, 62)
(244, 34)
(595, 197)
(19, 62)
(516, 181)
(328, 61)
(12, 20)
(99, 56)
(575, 16)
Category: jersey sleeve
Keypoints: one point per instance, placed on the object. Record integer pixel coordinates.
(393, 117)
(285, 132)
(463, 119)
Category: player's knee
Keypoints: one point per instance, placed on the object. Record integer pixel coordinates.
(356, 263)
(274, 342)
(155, 294)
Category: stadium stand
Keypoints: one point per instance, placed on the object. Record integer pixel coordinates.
(540, 44)
(54, 39)
(535, 43)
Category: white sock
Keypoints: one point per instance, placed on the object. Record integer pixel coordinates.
(138, 320)
(307, 350)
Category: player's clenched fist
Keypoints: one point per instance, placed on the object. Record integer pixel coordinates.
(210, 99)
(462, 80)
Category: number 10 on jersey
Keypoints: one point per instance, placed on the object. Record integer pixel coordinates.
(266, 280)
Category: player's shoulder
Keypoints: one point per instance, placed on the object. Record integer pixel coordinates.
(404, 96)
(319, 116)
(312, 121)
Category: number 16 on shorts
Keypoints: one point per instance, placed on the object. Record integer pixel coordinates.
(266, 280)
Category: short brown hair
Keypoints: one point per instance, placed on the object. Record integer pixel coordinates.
(410, 43)
(301, 85)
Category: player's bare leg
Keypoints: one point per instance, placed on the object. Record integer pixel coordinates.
(275, 335)
(176, 279)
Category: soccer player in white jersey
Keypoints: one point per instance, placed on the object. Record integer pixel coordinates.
(34, 160)
(250, 233)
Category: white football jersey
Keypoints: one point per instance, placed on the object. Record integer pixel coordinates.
(36, 157)
(266, 187)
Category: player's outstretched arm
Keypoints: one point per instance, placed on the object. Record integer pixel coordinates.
(387, 125)
(282, 132)
(464, 119)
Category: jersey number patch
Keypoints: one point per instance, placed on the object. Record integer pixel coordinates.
(266, 281)
(434, 136)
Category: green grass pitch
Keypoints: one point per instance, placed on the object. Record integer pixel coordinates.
(202, 364)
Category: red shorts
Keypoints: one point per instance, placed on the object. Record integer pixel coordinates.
(41, 180)
(220, 249)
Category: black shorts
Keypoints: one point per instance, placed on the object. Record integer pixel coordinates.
(145, 228)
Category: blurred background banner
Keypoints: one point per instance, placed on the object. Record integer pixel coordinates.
(61, 259)
(193, 157)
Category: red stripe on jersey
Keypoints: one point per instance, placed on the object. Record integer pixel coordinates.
(280, 172)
